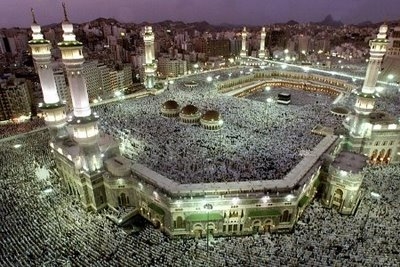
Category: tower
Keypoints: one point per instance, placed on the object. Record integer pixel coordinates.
(53, 109)
(243, 52)
(261, 52)
(361, 127)
(83, 121)
(341, 187)
(150, 65)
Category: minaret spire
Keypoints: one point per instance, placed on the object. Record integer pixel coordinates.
(150, 64)
(83, 121)
(65, 12)
(365, 103)
(33, 16)
(52, 108)
(261, 52)
(243, 51)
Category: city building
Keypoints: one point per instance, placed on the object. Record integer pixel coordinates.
(172, 67)
(62, 88)
(15, 100)
(390, 71)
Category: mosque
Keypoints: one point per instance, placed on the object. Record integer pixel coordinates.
(93, 169)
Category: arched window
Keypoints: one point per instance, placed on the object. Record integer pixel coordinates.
(285, 216)
(337, 197)
(123, 200)
(179, 222)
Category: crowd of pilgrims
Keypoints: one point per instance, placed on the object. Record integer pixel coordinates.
(12, 128)
(42, 227)
(253, 136)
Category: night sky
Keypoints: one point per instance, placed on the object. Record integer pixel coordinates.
(249, 12)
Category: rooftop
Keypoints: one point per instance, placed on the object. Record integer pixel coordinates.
(350, 162)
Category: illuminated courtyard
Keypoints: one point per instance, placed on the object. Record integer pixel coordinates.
(259, 140)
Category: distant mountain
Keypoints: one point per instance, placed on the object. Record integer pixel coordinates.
(292, 22)
(329, 21)
(365, 23)
(99, 21)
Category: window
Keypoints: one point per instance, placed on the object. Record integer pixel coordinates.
(285, 217)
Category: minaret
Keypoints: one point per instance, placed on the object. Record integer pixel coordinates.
(83, 122)
(261, 52)
(243, 52)
(150, 65)
(52, 108)
(366, 99)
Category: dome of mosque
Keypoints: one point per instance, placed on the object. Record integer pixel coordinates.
(211, 115)
(189, 110)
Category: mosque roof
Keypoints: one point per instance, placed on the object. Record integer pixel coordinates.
(381, 117)
(350, 162)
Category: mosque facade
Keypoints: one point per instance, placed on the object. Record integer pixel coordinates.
(92, 168)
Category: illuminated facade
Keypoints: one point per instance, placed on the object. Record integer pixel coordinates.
(53, 109)
(93, 169)
(150, 65)
(232, 208)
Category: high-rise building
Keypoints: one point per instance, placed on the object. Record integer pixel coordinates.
(15, 98)
(53, 109)
(390, 71)
(303, 43)
(172, 67)
(63, 89)
(92, 77)
(235, 46)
